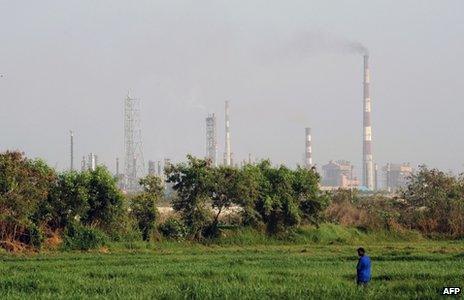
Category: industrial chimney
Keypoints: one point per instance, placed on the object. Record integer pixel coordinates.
(211, 139)
(308, 150)
(227, 154)
(368, 168)
(71, 163)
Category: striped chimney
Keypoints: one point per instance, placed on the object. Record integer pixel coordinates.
(368, 168)
(308, 150)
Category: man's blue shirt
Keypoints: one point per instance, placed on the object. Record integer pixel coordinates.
(364, 269)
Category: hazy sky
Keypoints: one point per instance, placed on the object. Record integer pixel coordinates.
(69, 64)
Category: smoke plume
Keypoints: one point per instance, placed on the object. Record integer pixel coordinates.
(317, 42)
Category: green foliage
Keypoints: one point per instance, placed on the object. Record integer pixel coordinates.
(401, 270)
(67, 201)
(33, 236)
(79, 237)
(104, 200)
(24, 185)
(436, 203)
(285, 197)
(173, 228)
(279, 198)
(192, 181)
(143, 205)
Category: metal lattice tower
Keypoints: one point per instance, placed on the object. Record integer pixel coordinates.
(211, 139)
(134, 165)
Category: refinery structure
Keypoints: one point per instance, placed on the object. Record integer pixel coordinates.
(368, 164)
(134, 165)
(334, 174)
(211, 139)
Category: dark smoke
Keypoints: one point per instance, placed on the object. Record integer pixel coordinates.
(316, 42)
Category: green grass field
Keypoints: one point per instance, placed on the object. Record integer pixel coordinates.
(191, 271)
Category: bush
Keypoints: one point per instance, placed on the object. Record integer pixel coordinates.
(173, 229)
(79, 237)
(34, 236)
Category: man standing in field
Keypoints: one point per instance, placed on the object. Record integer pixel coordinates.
(363, 269)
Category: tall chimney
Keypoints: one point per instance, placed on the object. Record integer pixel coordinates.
(211, 139)
(71, 163)
(368, 168)
(227, 154)
(308, 150)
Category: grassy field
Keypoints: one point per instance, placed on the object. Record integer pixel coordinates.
(192, 271)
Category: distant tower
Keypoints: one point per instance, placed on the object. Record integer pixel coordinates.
(117, 167)
(211, 139)
(83, 164)
(368, 168)
(133, 161)
(71, 163)
(160, 171)
(151, 168)
(227, 153)
(92, 162)
(308, 149)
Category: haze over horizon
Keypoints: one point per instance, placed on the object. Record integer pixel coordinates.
(282, 65)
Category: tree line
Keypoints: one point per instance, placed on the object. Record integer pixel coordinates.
(86, 209)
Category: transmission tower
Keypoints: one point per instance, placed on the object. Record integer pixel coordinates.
(133, 164)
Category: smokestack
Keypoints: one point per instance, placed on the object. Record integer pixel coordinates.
(211, 139)
(71, 163)
(308, 149)
(117, 167)
(227, 154)
(159, 168)
(368, 168)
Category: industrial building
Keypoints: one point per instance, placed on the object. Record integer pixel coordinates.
(339, 174)
(396, 176)
(89, 163)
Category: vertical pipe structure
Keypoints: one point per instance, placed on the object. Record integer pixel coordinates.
(308, 148)
(368, 168)
(211, 139)
(134, 165)
(227, 154)
(117, 167)
(71, 163)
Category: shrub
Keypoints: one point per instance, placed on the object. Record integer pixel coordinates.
(34, 236)
(173, 229)
(79, 237)
(143, 206)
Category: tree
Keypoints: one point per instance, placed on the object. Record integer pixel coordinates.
(105, 201)
(67, 200)
(24, 185)
(192, 182)
(436, 202)
(227, 190)
(284, 197)
(143, 205)
(312, 202)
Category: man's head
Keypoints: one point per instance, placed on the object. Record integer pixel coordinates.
(361, 251)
